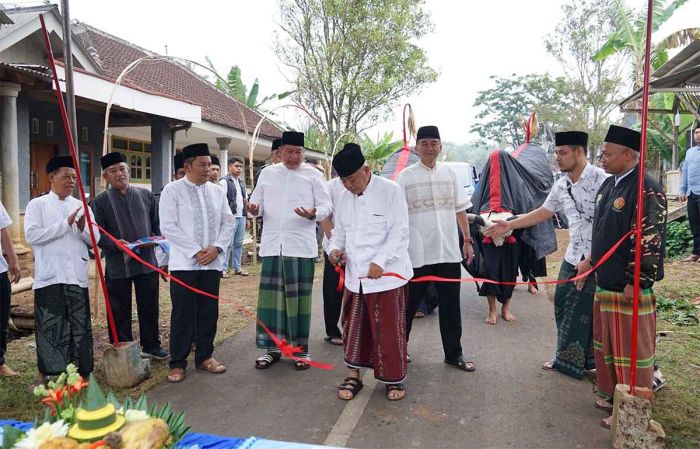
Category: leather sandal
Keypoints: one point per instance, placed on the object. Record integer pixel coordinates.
(176, 375)
(395, 387)
(212, 365)
(462, 363)
(604, 404)
(353, 385)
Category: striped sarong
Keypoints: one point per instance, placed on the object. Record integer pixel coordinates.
(612, 335)
(573, 313)
(284, 301)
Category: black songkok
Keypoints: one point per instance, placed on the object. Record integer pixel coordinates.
(276, 144)
(623, 136)
(179, 161)
(348, 160)
(572, 138)
(292, 138)
(427, 132)
(110, 159)
(196, 149)
(215, 161)
(57, 162)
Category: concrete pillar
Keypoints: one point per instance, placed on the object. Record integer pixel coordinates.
(223, 142)
(9, 159)
(24, 148)
(161, 170)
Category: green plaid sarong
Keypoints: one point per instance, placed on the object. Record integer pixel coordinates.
(284, 301)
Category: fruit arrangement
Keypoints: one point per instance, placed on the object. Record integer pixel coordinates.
(78, 415)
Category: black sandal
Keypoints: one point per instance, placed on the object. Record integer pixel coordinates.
(395, 387)
(462, 363)
(300, 364)
(353, 385)
(267, 360)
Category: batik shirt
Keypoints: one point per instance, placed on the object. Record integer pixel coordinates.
(192, 218)
(615, 215)
(60, 250)
(129, 216)
(577, 202)
(434, 197)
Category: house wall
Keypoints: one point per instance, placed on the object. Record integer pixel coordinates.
(45, 112)
(26, 51)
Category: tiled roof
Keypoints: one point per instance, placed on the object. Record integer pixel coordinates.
(169, 78)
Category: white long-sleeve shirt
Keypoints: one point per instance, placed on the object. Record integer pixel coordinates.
(60, 250)
(372, 228)
(192, 218)
(278, 192)
(434, 197)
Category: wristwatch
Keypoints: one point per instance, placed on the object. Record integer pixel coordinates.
(219, 250)
(468, 240)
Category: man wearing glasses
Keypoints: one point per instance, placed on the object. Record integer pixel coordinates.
(574, 195)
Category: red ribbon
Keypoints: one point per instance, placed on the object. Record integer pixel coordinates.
(602, 260)
(285, 348)
(341, 279)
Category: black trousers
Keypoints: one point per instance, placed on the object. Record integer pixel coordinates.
(332, 299)
(448, 304)
(146, 286)
(694, 220)
(5, 296)
(190, 310)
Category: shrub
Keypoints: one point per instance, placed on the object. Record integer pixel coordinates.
(679, 240)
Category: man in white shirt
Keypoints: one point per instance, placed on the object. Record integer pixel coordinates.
(10, 265)
(54, 225)
(332, 296)
(237, 198)
(198, 223)
(573, 194)
(371, 238)
(291, 197)
(436, 205)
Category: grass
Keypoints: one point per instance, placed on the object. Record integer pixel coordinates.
(16, 401)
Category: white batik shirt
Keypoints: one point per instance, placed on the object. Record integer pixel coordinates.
(372, 228)
(278, 192)
(434, 197)
(577, 202)
(5, 221)
(60, 250)
(192, 218)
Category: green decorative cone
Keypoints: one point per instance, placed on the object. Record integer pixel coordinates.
(95, 417)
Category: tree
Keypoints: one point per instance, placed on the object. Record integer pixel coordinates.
(351, 60)
(235, 87)
(595, 83)
(630, 35)
(503, 107)
(377, 153)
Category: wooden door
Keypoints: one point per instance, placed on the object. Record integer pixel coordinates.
(39, 156)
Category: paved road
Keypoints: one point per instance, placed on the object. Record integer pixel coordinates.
(509, 402)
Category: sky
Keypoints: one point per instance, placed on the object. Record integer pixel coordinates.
(471, 41)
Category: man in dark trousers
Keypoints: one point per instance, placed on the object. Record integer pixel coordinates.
(129, 213)
(237, 198)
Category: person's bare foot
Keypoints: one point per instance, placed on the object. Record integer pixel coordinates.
(532, 288)
(492, 317)
(6, 371)
(606, 422)
(505, 312)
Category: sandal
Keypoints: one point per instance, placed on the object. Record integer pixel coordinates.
(212, 365)
(549, 366)
(462, 364)
(267, 360)
(301, 365)
(176, 375)
(419, 314)
(606, 422)
(353, 385)
(241, 273)
(395, 387)
(604, 404)
(338, 341)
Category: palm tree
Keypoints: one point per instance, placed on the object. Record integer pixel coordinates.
(235, 87)
(630, 37)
